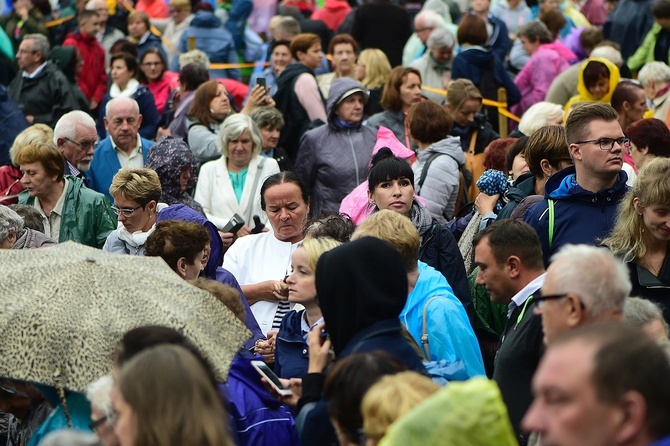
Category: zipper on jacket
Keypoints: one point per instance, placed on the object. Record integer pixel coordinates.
(353, 153)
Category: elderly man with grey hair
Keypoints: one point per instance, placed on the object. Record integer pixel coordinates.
(40, 89)
(14, 234)
(435, 64)
(124, 147)
(647, 316)
(584, 285)
(76, 138)
(655, 79)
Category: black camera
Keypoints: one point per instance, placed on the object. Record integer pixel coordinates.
(234, 225)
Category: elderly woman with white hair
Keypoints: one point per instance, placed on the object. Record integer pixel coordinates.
(655, 79)
(537, 116)
(14, 234)
(435, 64)
(231, 184)
(102, 410)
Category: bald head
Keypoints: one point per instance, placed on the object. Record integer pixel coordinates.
(122, 121)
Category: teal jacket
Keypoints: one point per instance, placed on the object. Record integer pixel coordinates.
(645, 53)
(87, 215)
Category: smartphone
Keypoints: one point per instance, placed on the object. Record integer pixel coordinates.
(273, 379)
(262, 82)
(234, 225)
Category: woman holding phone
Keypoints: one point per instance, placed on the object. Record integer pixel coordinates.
(291, 354)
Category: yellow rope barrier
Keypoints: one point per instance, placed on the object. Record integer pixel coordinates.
(60, 21)
(502, 107)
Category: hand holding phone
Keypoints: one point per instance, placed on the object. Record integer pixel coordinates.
(273, 379)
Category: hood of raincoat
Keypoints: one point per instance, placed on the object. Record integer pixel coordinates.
(614, 80)
(338, 89)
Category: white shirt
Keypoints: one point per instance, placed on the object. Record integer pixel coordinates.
(522, 296)
(132, 161)
(34, 74)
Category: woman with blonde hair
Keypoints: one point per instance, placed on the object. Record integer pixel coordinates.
(372, 71)
(231, 184)
(165, 397)
(292, 350)
(136, 193)
(10, 175)
(642, 232)
(391, 398)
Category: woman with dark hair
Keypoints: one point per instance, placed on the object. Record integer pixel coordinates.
(598, 77)
(153, 74)
(649, 138)
(391, 186)
(124, 70)
(479, 64)
(261, 261)
(191, 76)
(429, 124)
(211, 106)
(402, 90)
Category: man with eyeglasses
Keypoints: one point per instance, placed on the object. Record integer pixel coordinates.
(509, 257)
(124, 147)
(584, 285)
(76, 138)
(40, 89)
(93, 78)
(580, 202)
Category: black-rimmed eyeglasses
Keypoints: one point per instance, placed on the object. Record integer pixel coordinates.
(97, 423)
(608, 143)
(84, 145)
(544, 297)
(126, 212)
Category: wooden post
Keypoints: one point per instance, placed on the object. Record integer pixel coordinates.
(503, 122)
(191, 44)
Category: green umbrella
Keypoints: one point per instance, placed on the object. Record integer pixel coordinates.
(63, 310)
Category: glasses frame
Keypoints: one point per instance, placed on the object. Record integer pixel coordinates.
(82, 146)
(94, 425)
(542, 297)
(625, 143)
(126, 212)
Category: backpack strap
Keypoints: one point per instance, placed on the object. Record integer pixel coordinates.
(552, 215)
(424, 329)
(424, 171)
(253, 188)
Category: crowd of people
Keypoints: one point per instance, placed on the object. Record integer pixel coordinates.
(333, 173)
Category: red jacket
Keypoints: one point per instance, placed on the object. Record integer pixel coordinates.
(93, 79)
(333, 13)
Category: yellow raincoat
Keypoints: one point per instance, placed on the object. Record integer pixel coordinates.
(584, 95)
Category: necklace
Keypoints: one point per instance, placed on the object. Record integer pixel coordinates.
(647, 264)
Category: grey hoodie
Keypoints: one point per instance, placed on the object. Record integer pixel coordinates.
(440, 188)
(333, 159)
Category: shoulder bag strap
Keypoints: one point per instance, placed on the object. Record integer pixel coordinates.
(552, 215)
(253, 190)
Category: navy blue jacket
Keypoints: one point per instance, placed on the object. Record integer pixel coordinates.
(470, 62)
(291, 353)
(580, 217)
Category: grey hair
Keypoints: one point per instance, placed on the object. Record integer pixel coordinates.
(99, 394)
(90, 5)
(233, 127)
(66, 127)
(10, 223)
(287, 27)
(594, 274)
(638, 312)
(654, 71)
(608, 52)
(430, 19)
(267, 117)
(440, 38)
(40, 43)
(195, 57)
(70, 437)
(539, 115)
(111, 102)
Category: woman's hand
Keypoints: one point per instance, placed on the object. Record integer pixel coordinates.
(485, 203)
(259, 96)
(266, 349)
(280, 290)
(319, 349)
(227, 238)
(244, 230)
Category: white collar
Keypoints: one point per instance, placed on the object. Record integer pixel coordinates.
(520, 298)
(35, 73)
